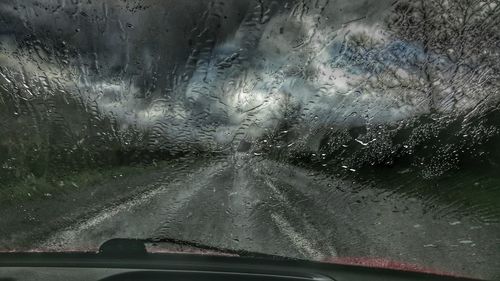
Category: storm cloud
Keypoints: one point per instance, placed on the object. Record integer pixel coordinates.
(208, 71)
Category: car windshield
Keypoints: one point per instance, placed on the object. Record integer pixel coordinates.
(346, 131)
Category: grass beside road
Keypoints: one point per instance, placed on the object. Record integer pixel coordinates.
(32, 188)
(468, 191)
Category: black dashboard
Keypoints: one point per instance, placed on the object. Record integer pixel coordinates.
(186, 267)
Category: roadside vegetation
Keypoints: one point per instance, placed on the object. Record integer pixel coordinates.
(55, 143)
(32, 188)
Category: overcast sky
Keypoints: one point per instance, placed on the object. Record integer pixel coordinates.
(218, 65)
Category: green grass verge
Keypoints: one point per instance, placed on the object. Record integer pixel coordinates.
(32, 188)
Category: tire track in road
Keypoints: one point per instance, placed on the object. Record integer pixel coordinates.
(291, 212)
(229, 213)
(302, 244)
(251, 209)
(202, 216)
(237, 210)
(299, 240)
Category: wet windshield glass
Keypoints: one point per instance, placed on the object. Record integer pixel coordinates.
(327, 130)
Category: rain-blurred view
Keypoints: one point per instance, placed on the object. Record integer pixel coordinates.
(312, 129)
